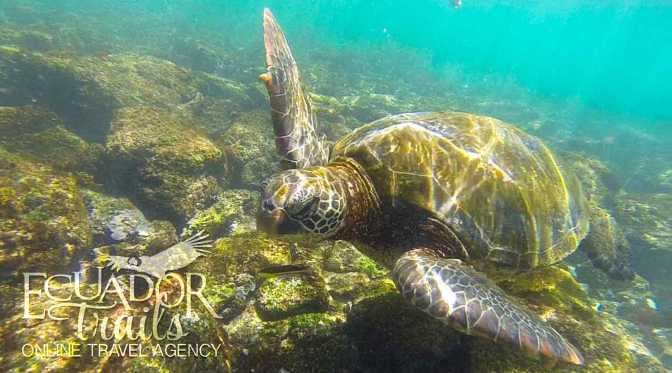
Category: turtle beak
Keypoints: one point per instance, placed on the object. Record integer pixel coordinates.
(276, 222)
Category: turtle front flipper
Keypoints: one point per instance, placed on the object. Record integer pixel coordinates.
(463, 298)
(296, 138)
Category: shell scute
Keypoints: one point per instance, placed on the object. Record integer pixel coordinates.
(501, 189)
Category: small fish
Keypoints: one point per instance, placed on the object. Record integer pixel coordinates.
(283, 269)
(173, 258)
(599, 307)
(457, 3)
(572, 270)
(651, 303)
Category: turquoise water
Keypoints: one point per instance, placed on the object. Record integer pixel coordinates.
(613, 56)
(592, 79)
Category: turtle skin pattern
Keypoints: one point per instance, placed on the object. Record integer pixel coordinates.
(294, 124)
(459, 296)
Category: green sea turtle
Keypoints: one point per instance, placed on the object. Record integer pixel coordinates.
(431, 196)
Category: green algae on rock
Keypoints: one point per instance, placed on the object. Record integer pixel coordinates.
(43, 218)
(249, 144)
(286, 295)
(51, 82)
(116, 220)
(85, 91)
(232, 213)
(647, 221)
(38, 134)
(163, 161)
(287, 322)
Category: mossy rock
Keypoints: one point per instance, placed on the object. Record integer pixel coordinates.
(287, 295)
(312, 342)
(43, 218)
(342, 257)
(86, 91)
(116, 220)
(52, 82)
(233, 213)
(28, 39)
(15, 331)
(647, 222)
(393, 336)
(246, 253)
(250, 144)
(598, 182)
(39, 134)
(369, 107)
(352, 287)
(163, 160)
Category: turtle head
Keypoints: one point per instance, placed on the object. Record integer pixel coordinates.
(302, 202)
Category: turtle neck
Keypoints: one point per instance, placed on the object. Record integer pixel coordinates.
(363, 213)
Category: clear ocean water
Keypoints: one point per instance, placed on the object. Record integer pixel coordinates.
(592, 79)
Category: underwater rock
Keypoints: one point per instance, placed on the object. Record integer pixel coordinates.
(53, 82)
(31, 40)
(287, 295)
(665, 180)
(166, 164)
(390, 335)
(341, 257)
(647, 221)
(222, 101)
(38, 134)
(17, 332)
(598, 182)
(353, 111)
(197, 55)
(232, 213)
(287, 321)
(369, 107)
(43, 219)
(86, 91)
(115, 220)
(333, 115)
(250, 146)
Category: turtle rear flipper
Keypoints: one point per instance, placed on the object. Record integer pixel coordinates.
(463, 298)
(606, 246)
(294, 125)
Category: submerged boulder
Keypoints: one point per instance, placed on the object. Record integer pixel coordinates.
(34, 79)
(116, 220)
(162, 161)
(43, 219)
(647, 221)
(287, 295)
(86, 91)
(39, 134)
(232, 213)
(250, 144)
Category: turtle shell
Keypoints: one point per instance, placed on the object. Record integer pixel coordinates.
(499, 189)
